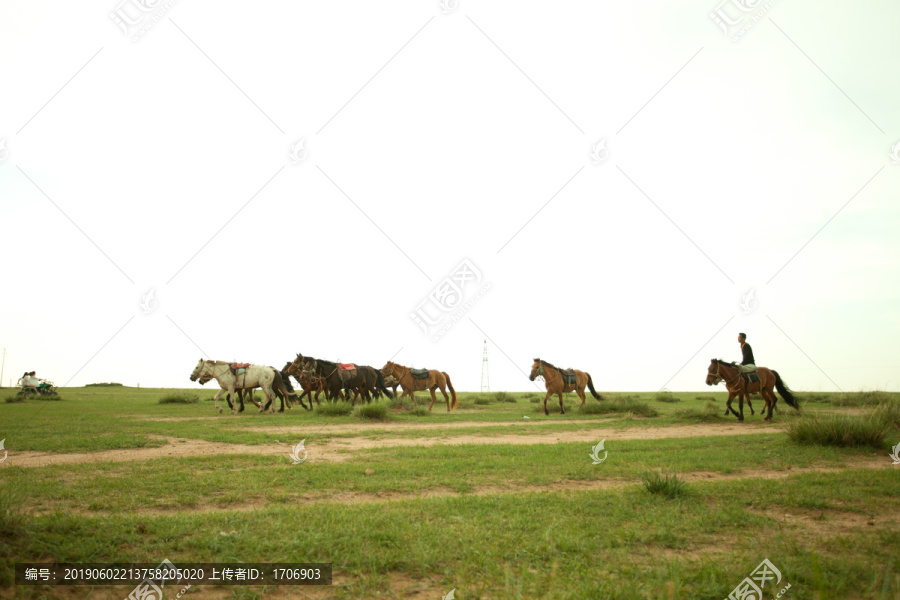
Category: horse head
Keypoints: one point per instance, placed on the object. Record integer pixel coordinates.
(388, 368)
(714, 373)
(198, 370)
(535, 369)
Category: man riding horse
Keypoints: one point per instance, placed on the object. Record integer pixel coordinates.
(748, 364)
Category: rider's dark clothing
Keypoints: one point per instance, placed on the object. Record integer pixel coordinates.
(747, 352)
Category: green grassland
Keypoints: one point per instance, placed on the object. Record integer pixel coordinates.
(491, 520)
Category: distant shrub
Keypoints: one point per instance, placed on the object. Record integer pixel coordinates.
(619, 404)
(398, 404)
(888, 413)
(864, 398)
(842, 430)
(371, 411)
(179, 398)
(666, 396)
(420, 411)
(707, 398)
(334, 409)
(14, 398)
(709, 412)
(503, 397)
(110, 384)
(815, 398)
(667, 486)
(482, 400)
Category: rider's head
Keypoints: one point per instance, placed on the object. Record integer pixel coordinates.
(742, 337)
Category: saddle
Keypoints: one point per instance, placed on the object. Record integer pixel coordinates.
(238, 368)
(420, 373)
(346, 366)
(751, 377)
(568, 376)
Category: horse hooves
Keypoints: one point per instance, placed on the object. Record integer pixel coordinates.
(740, 420)
(547, 412)
(562, 412)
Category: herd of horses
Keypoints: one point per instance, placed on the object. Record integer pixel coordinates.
(351, 382)
(316, 376)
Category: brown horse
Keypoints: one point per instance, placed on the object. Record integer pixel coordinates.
(411, 384)
(730, 373)
(557, 384)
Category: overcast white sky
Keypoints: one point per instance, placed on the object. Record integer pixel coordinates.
(162, 163)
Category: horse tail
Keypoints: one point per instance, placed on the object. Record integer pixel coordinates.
(591, 387)
(379, 378)
(452, 391)
(281, 383)
(785, 392)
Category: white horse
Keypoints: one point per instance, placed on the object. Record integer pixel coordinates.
(253, 376)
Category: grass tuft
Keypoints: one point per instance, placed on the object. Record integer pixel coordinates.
(420, 411)
(503, 397)
(14, 398)
(843, 430)
(666, 486)
(863, 398)
(666, 396)
(334, 409)
(372, 411)
(709, 412)
(179, 398)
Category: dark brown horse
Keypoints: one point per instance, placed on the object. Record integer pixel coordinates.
(769, 380)
(363, 378)
(557, 384)
(411, 384)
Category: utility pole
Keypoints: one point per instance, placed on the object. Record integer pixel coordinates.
(485, 383)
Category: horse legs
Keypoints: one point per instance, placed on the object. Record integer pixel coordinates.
(216, 399)
(446, 397)
(581, 395)
(433, 396)
(562, 408)
(740, 417)
(770, 402)
(546, 410)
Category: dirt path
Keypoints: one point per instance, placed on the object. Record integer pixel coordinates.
(341, 449)
(354, 498)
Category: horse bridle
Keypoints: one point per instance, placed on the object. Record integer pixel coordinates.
(719, 376)
(540, 372)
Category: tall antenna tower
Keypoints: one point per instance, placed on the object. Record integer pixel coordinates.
(485, 383)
